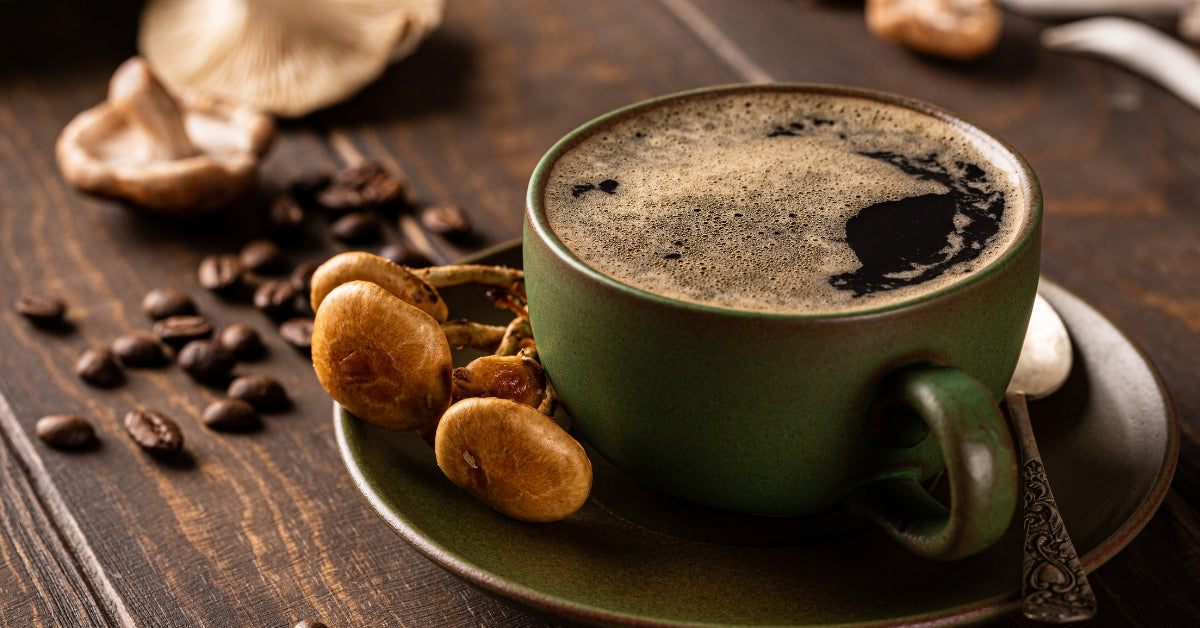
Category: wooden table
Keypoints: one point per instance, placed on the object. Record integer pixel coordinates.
(266, 529)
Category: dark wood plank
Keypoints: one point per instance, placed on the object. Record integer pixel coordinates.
(265, 528)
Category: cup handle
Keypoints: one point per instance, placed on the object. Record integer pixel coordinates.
(980, 465)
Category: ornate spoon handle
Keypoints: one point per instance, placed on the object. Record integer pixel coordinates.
(1054, 587)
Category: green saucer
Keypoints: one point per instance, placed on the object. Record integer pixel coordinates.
(632, 558)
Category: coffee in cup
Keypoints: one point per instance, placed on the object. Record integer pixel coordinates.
(791, 299)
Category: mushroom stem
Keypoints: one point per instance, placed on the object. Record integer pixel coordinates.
(137, 94)
(517, 335)
(464, 333)
(457, 274)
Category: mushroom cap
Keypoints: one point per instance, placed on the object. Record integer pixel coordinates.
(513, 458)
(286, 57)
(383, 360)
(104, 151)
(960, 30)
(396, 279)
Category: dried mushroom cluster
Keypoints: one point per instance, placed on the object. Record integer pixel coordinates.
(381, 347)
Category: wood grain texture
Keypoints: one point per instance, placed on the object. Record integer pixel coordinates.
(265, 528)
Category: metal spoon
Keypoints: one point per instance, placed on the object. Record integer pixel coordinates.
(1054, 587)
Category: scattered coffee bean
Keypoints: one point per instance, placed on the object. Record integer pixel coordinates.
(65, 431)
(357, 228)
(285, 216)
(231, 415)
(301, 277)
(42, 310)
(405, 255)
(160, 303)
(275, 298)
(155, 432)
(310, 623)
(139, 348)
(220, 272)
(263, 256)
(361, 186)
(177, 331)
(445, 219)
(265, 393)
(243, 341)
(297, 332)
(302, 188)
(99, 367)
(207, 361)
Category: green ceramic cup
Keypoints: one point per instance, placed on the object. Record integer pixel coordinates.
(795, 414)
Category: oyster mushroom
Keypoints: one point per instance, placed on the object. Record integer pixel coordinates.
(383, 360)
(286, 57)
(954, 29)
(513, 458)
(173, 155)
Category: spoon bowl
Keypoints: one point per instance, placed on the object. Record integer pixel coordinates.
(1054, 587)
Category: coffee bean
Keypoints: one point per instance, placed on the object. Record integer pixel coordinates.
(405, 255)
(220, 272)
(160, 303)
(445, 219)
(265, 393)
(301, 277)
(65, 431)
(42, 310)
(297, 332)
(177, 331)
(154, 432)
(99, 367)
(310, 623)
(309, 183)
(243, 341)
(231, 415)
(285, 216)
(275, 298)
(357, 228)
(139, 348)
(364, 185)
(206, 361)
(263, 256)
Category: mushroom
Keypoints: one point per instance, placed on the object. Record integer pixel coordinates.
(174, 155)
(513, 458)
(385, 361)
(1135, 45)
(286, 57)
(516, 377)
(381, 271)
(954, 29)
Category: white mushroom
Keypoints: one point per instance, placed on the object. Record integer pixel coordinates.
(286, 57)
(1137, 46)
(1085, 8)
(175, 155)
(954, 29)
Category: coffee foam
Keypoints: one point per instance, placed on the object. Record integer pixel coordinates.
(743, 201)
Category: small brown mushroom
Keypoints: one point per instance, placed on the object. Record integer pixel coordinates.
(515, 377)
(174, 155)
(513, 458)
(954, 29)
(384, 360)
(381, 271)
(287, 58)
